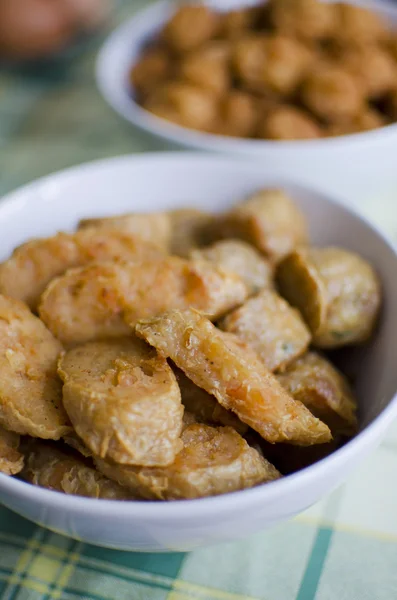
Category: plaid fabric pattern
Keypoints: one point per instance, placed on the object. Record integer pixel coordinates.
(344, 548)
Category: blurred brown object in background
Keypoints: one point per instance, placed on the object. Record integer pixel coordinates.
(31, 29)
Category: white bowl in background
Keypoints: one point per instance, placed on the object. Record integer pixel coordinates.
(163, 181)
(359, 168)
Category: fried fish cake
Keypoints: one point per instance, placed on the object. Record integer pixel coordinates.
(11, 460)
(337, 291)
(269, 220)
(274, 329)
(204, 407)
(30, 390)
(123, 401)
(241, 258)
(49, 467)
(33, 265)
(213, 461)
(189, 230)
(96, 302)
(227, 368)
(154, 228)
(324, 390)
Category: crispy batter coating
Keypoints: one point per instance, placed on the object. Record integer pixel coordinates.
(123, 401)
(151, 69)
(324, 390)
(11, 460)
(286, 122)
(332, 93)
(189, 229)
(208, 67)
(373, 67)
(241, 258)
(227, 368)
(337, 291)
(49, 467)
(307, 19)
(269, 220)
(30, 390)
(150, 227)
(238, 23)
(359, 25)
(96, 302)
(213, 461)
(75, 442)
(367, 120)
(204, 407)
(189, 27)
(33, 265)
(238, 115)
(274, 329)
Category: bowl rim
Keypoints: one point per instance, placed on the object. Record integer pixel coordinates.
(227, 503)
(122, 102)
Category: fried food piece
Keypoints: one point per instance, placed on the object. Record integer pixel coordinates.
(150, 227)
(208, 67)
(204, 407)
(152, 68)
(373, 67)
(75, 442)
(30, 390)
(359, 25)
(123, 401)
(184, 104)
(191, 26)
(190, 229)
(337, 292)
(49, 467)
(275, 63)
(33, 265)
(333, 93)
(11, 460)
(96, 302)
(367, 120)
(274, 329)
(213, 461)
(286, 122)
(324, 390)
(241, 258)
(227, 368)
(238, 23)
(269, 220)
(238, 115)
(306, 19)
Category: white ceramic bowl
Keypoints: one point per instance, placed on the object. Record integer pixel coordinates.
(358, 168)
(162, 181)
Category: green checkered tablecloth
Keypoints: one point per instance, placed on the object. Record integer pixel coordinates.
(344, 548)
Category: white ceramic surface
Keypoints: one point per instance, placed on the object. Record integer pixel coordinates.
(359, 168)
(161, 181)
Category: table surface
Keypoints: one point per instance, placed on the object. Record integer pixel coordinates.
(343, 548)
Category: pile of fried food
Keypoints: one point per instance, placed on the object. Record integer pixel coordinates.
(283, 70)
(179, 354)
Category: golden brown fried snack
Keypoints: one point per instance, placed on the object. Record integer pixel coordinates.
(208, 67)
(367, 120)
(30, 390)
(189, 27)
(333, 93)
(241, 258)
(269, 220)
(324, 390)
(337, 291)
(189, 229)
(227, 368)
(150, 227)
(75, 442)
(276, 63)
(213, 461)
(184, 104)
(204, 407)
(123, 401)
(49, 467)
(307, 19)
(96, 302)
(152, 68)
(373, 67)
(11, 460)
(238, 115)
(274, 329)
(359, 25)
(235, 24)
(286, 122)
(33, 265)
